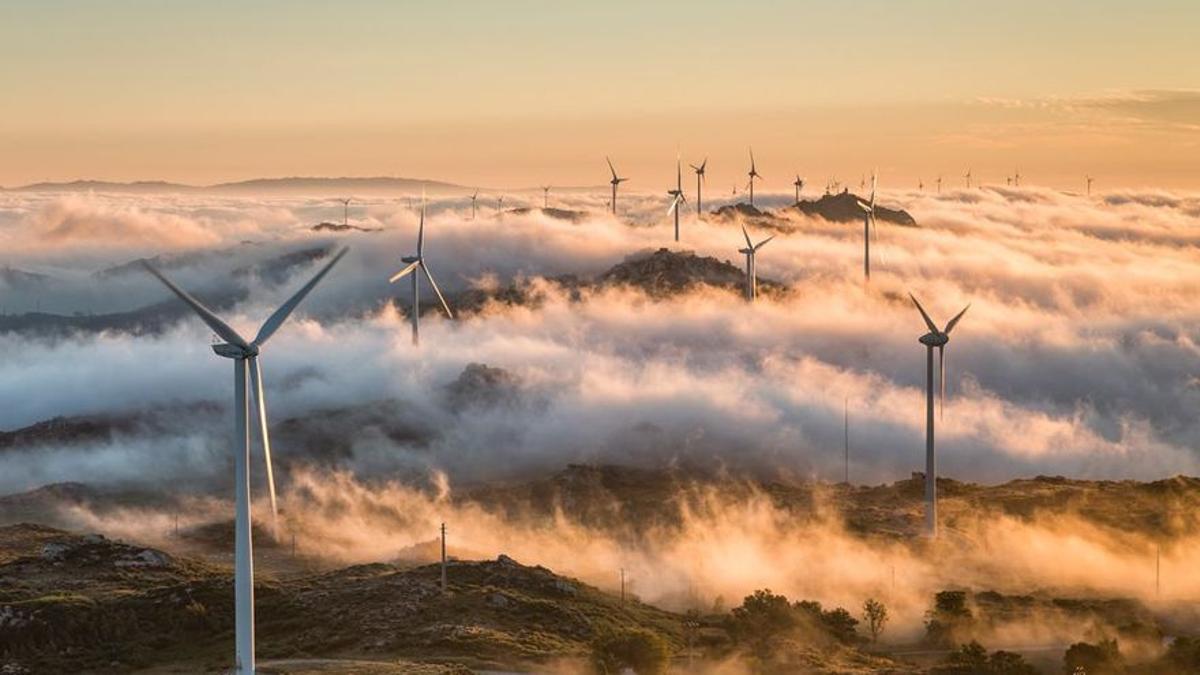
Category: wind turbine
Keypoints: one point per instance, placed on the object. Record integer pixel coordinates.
(614, 182)
(245, 358)
(499, 205)
(545, 196)
(933, 339)
(967, 175)
(939, 184)
(1016, 178)
(920, 184)
(751, 265)
(345, 211)
(474, 197)
(677, 193)
(418, 262)
(1089, 184)
(868, 225)
(799, 183)
(753, 174)
(700, 179)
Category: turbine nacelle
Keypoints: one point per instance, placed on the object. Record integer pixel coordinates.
(938, 339)
(410, 258)
(234, 351)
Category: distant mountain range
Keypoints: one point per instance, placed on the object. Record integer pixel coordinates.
(295, 185)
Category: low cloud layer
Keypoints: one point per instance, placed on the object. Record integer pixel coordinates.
(1078, 355)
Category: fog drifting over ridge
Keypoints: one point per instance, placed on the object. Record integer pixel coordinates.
(1078, 355)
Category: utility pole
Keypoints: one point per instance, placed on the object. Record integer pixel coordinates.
(443, 558)
(1158, 571)
(846, 420)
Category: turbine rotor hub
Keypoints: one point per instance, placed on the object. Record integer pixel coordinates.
(231, 351)
(934, 339)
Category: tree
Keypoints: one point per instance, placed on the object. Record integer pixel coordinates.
(949, 620)
(973, 659)
(1184, 654)
(1102, 658)
(639, 650)
(876, 616)
(762, 616)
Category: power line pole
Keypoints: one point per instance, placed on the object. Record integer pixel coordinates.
(443, 558)
(846, 421)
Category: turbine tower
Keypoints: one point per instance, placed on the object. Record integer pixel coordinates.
(699, 179)
(677, 193)
(245, 358)
(939, 184)
(750, 252)
(345, 211)
(616, 180)
(1089, 180)
(967, 175)
(933, 339)
(474, 198)
(753, 174)
(1016, 178)
(499, 205)
(799, 183)
(416, 262)
(545, 196)
(868, 225)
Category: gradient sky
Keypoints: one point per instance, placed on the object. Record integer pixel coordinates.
(521, 93)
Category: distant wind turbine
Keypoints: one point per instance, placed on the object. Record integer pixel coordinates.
(1089, 184)
(920, 185)
(967, 175)
(939, 184)
(933, 339)
(616, 180)
(753, 174)
(1016, 178)
(474, 198)
(799, 183)
(868, 225)
(750, 252)
(545, 196)
(699, 180)
(499, 205)
(345, 211)
(677, 193)
(416, 262)
(245, 358)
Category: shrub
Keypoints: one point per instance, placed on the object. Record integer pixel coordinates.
(1102, 658)
(639, 650)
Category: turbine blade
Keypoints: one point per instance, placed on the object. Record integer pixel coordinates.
(610, 168)
(763, 242)
(954, 322)
(214, 322)
(403, 273)
(429, 276)
(746, 234)
(928, 321)
(421, 228)
(276, 320)
(261, 406)
(942, 385)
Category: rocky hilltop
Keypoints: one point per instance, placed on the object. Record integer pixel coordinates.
(843, 207)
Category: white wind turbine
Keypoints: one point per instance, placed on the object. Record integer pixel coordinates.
(700, 178)
(933, 339)
(868, 226)
(345, 211)
(416, 262)
(616, 180)
(677, 193)
(237, 348)
(750, 252)
(474, 198)
(967, 175)
(753, 174)
(545, 196)
(799, 184)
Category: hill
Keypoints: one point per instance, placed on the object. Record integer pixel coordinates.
(843, 207)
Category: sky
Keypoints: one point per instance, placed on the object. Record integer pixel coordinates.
(522, 93)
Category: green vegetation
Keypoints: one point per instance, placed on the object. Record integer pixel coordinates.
(641, 651)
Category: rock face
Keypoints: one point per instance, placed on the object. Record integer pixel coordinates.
(480, 385)
(744, 210)
(664, 272)
(340, 227)
(843, 208)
